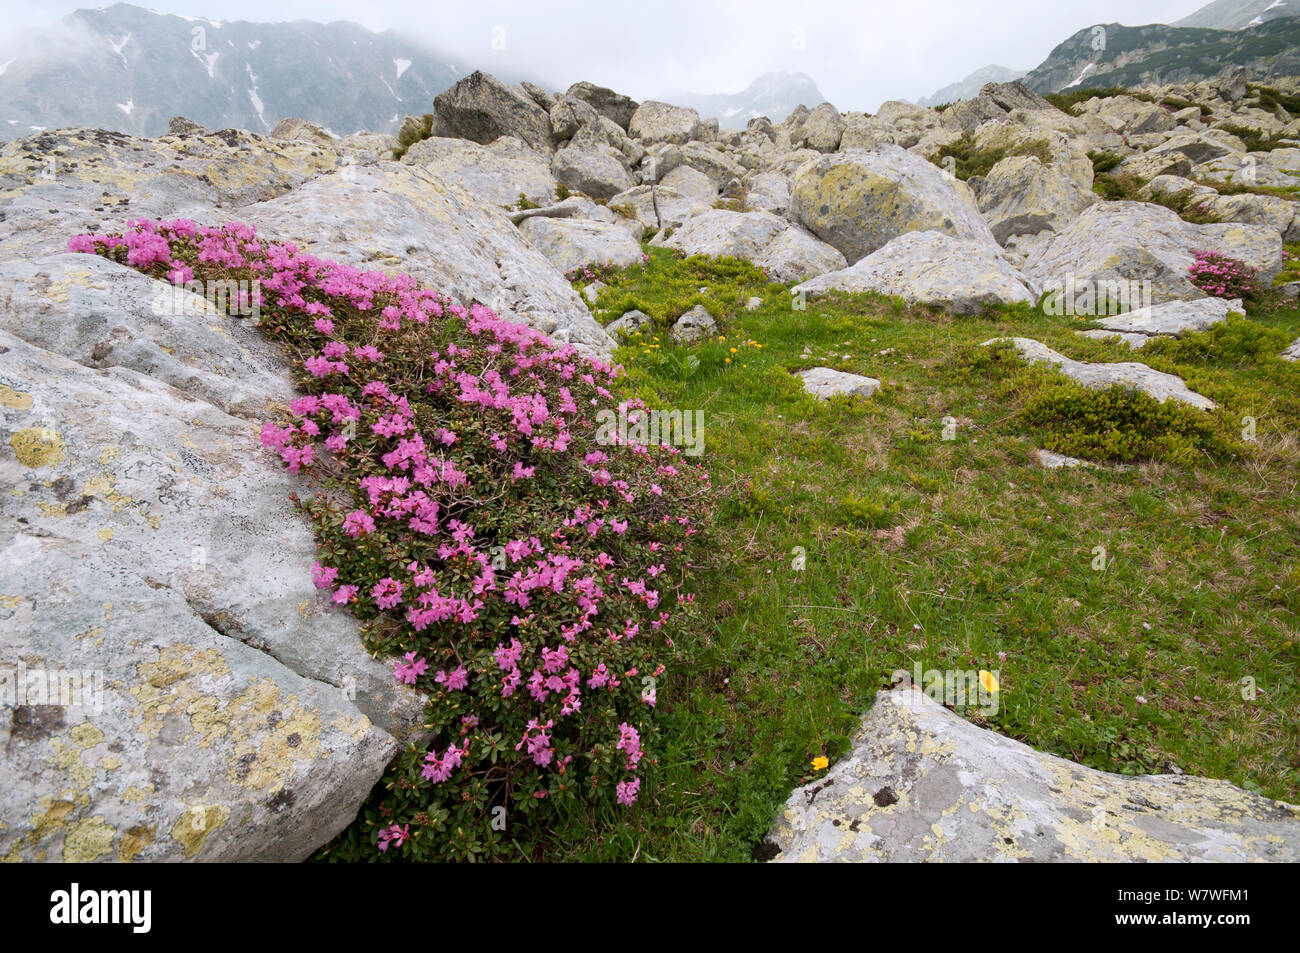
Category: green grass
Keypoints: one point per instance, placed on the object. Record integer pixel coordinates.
(1256, 140)
(1291, 266)
(1069, 102)
(408, 138)
(1125, 186)
(1176, 103)
(1104, 161)
(1270, 98)
(970, 160)
(916, 548)
(1291, 192)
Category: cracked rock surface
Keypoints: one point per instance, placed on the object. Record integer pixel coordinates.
(150, 551)
(921, 783)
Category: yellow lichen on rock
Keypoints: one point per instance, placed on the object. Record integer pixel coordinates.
(134, 841)
(86, 735)
(87, 840)
(67, 758)
(195, 824)
(38, 447)
(14, 400)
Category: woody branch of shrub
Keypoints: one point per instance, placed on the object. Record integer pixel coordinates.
(523, 575)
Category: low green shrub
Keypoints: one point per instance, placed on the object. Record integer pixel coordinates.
(1117, 424)
(408, 138)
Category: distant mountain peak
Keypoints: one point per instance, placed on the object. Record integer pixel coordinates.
(98, 67)
(1239, 14)
(774, 95)
(970, 87)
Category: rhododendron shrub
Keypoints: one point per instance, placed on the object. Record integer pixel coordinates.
(1222, 277)
(517, 571)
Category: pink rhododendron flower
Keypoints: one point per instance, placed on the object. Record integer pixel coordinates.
(393, 836)
(409, 670)
(627, 791)
(357, 523)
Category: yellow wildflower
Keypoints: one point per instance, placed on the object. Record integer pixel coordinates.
(820, 763)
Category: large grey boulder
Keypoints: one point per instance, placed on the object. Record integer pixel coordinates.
(495, 174)
(1171, 319)
(857, 201)
(1174, 185)
(1277, 213)
(1124, 242)
(630, 322)
(659, 159)
(1196, 147)
(539, 95)
(482, 109)
(613, 106)
(237, 716)
(692, 326)
(1129, 374)
(601, 131)
(822, 130)
(1022, 196)
(1132, 117)
(57, 184)
(570, 243)
(960, 274)
(657, 206)
(366, 148)
(659, 122)
(1059, 151)
(403, 218)
(1016, 95)
(303, 130)
(826, 382)
(1248, 168)
(767, 192)
(921, 783)
(103, 315)
(1149, 165)
(897, 123)
(692, 183)
(596, 170)
(785, 251)
(568, 116)
(181, 126)
(711, 162)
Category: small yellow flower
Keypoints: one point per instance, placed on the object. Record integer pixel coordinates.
(733, 350)
(728, 360)
(820, 763)
(989, 682)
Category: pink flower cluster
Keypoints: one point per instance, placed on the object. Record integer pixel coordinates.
(452, 457)
(1221, 276)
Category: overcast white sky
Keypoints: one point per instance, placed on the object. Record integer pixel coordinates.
(859, 53)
